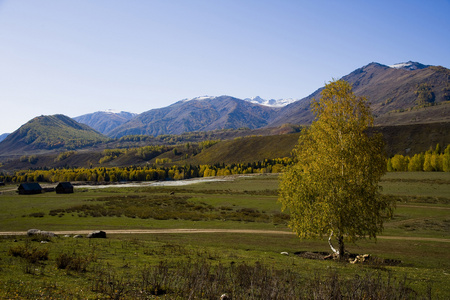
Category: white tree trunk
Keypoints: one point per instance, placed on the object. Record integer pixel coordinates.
(331, 245)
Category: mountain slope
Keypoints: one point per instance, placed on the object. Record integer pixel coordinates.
(3, 136)
(105, 121)
(199, 114)
(50, 132)
(390, 90)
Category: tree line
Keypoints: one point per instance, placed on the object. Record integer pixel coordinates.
(429, 161)
(145, 173)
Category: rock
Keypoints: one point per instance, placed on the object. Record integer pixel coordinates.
(47, 233)
(32, 232)
(77, 236)
(360, 259)
(99, 234)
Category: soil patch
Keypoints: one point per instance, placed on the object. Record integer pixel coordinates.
(351, 258)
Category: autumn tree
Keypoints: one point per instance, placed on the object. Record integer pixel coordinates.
(332, 188)
(424, 94)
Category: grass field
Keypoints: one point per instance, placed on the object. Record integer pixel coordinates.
(244, 265)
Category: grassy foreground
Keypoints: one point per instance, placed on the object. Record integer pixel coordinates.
(410, 260)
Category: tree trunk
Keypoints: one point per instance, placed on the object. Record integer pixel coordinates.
(331, 245)
(341, 253)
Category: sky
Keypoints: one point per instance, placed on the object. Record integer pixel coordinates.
(79, 57)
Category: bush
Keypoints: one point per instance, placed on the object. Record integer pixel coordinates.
(37, 215)
(73, 262)
(31, 254)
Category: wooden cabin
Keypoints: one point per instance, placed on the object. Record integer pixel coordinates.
(29, 188)
(64, 188)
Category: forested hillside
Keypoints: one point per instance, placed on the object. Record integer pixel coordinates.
(209, 149)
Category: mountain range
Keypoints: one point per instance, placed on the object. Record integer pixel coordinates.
(400, 94)
(393, 91)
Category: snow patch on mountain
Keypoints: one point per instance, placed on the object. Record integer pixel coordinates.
(199, 98)
(410, 65)
(112, 111)
(271, 102)
(255, 100)
(118, 112)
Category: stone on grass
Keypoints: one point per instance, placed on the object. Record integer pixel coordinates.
(32, 232)
(99, 234)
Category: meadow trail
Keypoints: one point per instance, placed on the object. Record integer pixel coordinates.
(188, 230)
(422, 206)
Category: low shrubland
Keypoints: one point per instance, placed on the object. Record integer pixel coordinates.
(165, 207)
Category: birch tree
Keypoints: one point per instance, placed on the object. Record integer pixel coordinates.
(332, 188)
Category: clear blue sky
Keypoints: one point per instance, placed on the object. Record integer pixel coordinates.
(78, 57)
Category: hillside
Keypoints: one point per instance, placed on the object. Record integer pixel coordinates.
(49, 133)
(391, 91)
(105, 121)
(250, 149)
(406, 139)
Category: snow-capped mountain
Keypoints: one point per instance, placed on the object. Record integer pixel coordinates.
(410, 65)
(255, 100)
(271, 102)
(200, 98)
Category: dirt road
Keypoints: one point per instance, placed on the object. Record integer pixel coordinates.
(237, 231)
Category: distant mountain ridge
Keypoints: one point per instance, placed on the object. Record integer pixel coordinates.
(105, 121)
(198, 114)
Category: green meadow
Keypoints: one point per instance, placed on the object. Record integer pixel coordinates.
(409, 260)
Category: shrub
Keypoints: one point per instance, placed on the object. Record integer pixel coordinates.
(37, 215)
(31, 254)
(73, 262)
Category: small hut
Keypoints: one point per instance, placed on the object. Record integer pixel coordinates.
(64, 188)
(29, 188)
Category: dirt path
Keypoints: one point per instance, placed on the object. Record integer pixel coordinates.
(422, 206)
(254, 231)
